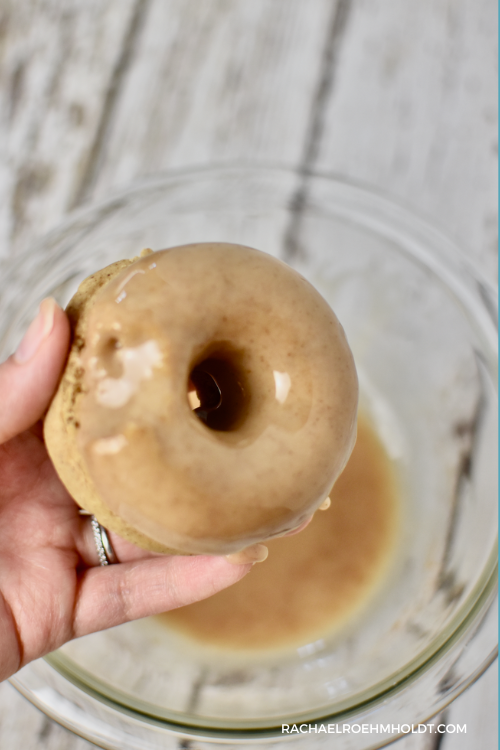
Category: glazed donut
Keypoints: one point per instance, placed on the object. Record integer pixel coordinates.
(209, 401)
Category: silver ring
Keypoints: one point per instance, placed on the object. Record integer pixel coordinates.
(103, 545)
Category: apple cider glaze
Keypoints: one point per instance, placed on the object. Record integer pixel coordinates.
(314, 581)
(209, 402)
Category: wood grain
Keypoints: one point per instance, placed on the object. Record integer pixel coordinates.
(56, 65)
(24, 727)
(400, 95)
(413, 112)
(478, 708)
(219, 81)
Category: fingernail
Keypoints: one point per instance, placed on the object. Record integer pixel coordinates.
(254, 554)
(39, 329)
(325, 504)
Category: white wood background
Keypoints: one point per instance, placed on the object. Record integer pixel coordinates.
(398, 94)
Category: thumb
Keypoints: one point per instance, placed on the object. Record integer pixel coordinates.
(29, 377)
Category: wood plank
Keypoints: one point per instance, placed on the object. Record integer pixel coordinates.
(478, 709)
(91, 100)
(214, 82)
(56, 65)
(24, 726)
(413, 111)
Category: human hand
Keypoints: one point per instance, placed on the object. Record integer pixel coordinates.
(52, 588)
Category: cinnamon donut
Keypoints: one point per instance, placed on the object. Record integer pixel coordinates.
(209, 400)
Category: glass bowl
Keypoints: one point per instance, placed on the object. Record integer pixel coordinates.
(422, 326)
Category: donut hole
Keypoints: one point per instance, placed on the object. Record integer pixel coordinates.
(218, 391)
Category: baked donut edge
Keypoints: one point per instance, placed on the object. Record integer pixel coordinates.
(61, 421)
